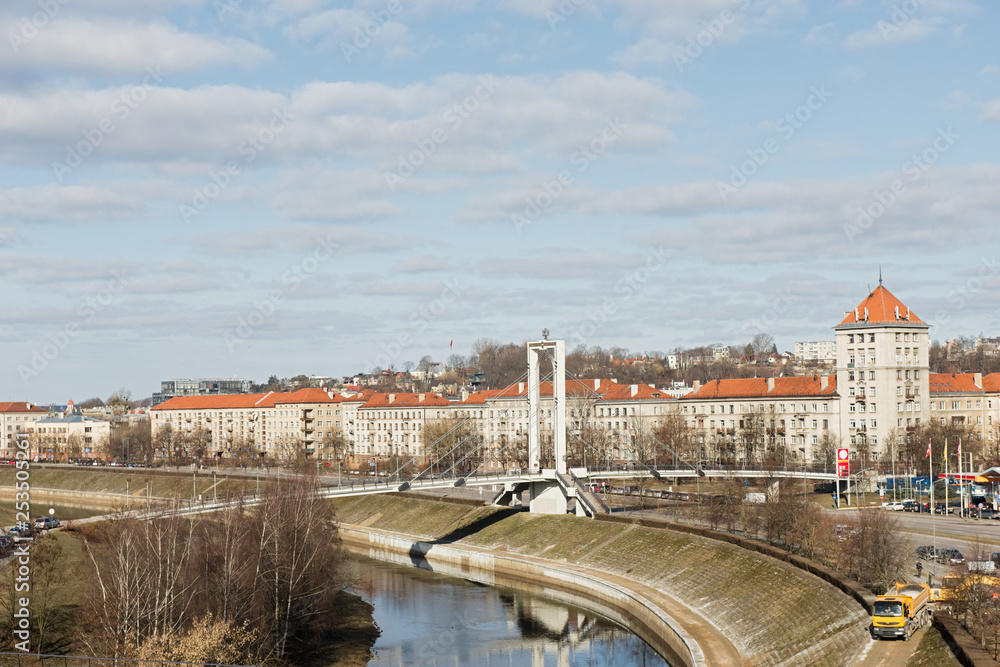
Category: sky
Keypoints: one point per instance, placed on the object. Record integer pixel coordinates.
(240, 188)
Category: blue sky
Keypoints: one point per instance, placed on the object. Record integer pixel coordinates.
(200, 188)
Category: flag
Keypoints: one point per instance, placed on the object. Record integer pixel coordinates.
(928, 449)
(452, 344)
(944, 452)
(959, 452)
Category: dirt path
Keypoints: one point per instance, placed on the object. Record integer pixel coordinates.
(889, 652)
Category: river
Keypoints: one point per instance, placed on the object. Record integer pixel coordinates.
(429, 619)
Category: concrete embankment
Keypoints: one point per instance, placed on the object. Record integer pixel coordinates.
(771, 612)
(621, 602)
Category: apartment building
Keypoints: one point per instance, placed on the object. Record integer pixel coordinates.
(823, 351)
(798, 415)
(17, 417)
(968, 399)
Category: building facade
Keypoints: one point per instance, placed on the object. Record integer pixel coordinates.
(200, 387)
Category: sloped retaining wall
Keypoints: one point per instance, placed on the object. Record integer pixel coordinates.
(571, 585)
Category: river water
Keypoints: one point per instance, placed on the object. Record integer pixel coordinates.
(428, 619)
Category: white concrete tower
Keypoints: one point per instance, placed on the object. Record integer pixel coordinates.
(882, 374)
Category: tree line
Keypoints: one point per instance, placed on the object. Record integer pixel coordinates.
(244, 585)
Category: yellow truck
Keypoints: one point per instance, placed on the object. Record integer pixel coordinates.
(901, 612)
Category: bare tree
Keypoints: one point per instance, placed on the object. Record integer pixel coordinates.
(875, 551)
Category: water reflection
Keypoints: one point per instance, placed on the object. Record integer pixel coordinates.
(430, 619)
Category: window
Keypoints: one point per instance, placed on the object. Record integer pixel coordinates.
(826, 423)
(850, 376)
(871, 338)
(899, 336)
(906, 338)
(871, 375)
(899, 374)
(871, 407)
(850, 338)
(899, 407)
(852, 407)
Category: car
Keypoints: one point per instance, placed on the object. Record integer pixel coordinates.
(46, 522)
(953, 556)
(19, 532)
(6, 545)
(911, 506)
(896, 506)
(926, 552)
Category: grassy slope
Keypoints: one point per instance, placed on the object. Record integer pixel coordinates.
(932, 652)
(771, 611)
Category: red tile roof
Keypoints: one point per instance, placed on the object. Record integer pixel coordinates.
(309, 395)
(881, 307)
(220, 402)
(581, 387)
(480, 397)
(963, 383)
(406, 401)
(20, 406)
(642, 392)
(791, 387)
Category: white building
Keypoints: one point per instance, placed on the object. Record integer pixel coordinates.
(816, 350)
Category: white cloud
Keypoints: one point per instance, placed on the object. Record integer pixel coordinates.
(672, 26)
(821, 35)
(52, 203)
(884, 33)
(991, 110)
(513, 119)
(117, 47)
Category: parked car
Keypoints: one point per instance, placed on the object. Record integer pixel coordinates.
(926, 552)
(951, 556)
(911, 506)
(6, 545)
(46, 522)
(20, 531)
(896, 506)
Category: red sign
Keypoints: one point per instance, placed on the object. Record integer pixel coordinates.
(843, 465)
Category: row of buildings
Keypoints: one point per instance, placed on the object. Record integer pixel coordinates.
(882, 389)
(880, 392)
(53, 434)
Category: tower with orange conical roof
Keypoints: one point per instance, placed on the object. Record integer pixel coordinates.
(882, 375)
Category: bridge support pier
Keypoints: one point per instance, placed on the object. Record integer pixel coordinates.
(548, 497)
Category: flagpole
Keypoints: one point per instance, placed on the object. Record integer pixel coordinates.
(930, 463)
(961, 483)
(944, 455)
